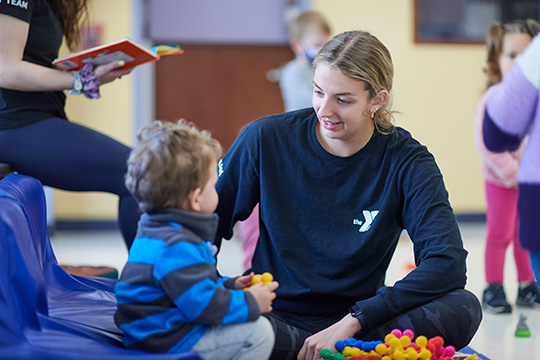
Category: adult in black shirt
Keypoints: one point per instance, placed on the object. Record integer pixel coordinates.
(36, 138)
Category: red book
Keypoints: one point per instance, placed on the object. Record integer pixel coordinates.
(124, 49)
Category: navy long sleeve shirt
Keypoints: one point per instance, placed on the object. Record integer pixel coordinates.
(329, 225)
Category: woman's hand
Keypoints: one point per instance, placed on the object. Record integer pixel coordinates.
(17, 74)
(108, 72)
(343, 329)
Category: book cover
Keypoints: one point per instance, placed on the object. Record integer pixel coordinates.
(125, 49)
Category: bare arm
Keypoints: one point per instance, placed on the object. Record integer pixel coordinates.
(17, 74)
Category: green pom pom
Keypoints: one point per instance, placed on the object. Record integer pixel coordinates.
(522, 330)
(337, 356)
(326, 353)
(523, 333)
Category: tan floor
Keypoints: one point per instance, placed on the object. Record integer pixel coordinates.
(495, 338)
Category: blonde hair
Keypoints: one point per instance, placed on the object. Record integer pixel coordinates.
(305, 22)
(494, 44)
(361, 56)
(169, 161)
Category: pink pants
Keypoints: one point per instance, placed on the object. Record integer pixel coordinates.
(249, 234)
(502, 229)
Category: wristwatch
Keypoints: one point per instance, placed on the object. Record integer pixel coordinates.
(356, 312)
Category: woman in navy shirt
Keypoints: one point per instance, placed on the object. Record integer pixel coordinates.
(337, 184)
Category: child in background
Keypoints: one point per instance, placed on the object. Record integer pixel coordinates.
(170, 296)
(511, 114)
(308, 32)
(505, 42)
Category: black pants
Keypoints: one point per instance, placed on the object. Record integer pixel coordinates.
(68, 156)
(455, 316)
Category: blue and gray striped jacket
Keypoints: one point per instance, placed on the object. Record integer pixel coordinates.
(170, 292)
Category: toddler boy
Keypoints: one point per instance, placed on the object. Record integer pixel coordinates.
(170, 296)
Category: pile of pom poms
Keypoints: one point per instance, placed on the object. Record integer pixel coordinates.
(353, 349)
(397, 345)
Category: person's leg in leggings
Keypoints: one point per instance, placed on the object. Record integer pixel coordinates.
(501, 229)
(68, 156)
(523, 262)
(535, 263)
(455, 316)
(289, 338)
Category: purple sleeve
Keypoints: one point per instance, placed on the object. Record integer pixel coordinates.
(510, 108)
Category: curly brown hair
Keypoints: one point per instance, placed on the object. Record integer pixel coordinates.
(73, 14)
(169, 161)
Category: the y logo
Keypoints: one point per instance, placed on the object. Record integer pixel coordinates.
(220, 165)
(369, 216)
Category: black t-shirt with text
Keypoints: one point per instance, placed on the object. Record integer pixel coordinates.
(20, 108)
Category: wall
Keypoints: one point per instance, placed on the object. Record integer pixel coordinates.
(436, 87)
(220, 88)
(112, 115)
(218, 22)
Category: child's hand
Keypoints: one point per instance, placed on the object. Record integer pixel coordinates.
(244, 281)
(264, 295)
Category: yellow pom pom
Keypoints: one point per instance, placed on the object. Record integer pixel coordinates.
(256, 279)
(267, 278)
(389, 337)
(381, 349)
(421, 341)
(405, 341)
(411, 354)
(346, 351)
(425, 354)
(398, 355)
(356, 352)
(394, 343)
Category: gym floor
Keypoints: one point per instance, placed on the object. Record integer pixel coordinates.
(495, 339)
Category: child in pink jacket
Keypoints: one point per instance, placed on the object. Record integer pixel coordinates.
(505, 42)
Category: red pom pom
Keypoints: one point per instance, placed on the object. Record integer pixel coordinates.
(438, 341)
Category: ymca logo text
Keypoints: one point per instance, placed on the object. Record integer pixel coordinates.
(369, 216)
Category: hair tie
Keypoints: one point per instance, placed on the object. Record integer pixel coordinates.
(85, 82)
